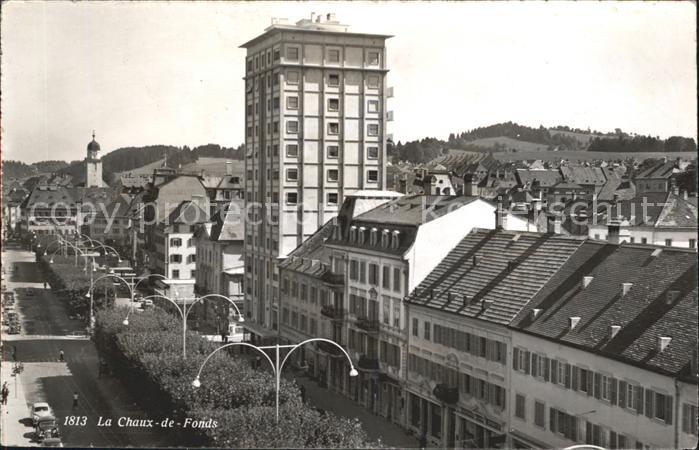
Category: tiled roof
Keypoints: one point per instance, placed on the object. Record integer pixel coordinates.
(510, 268)
(643, 313)
(187, 212)
(584, 175)
(414, 209)
(546, 178)
(662, 209)
(462, 161)
(310, 256)
(47, 197)
(660, 170)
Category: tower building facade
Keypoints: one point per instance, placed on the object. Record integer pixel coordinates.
(93, 165)
(315, 113)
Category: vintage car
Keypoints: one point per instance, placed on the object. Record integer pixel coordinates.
(46, 427)
(52, 442)
(39, 410)
(15, 329)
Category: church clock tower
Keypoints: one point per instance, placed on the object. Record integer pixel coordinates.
(93, 165)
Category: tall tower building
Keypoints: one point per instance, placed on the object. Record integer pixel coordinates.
(315, 113)
(93, 165)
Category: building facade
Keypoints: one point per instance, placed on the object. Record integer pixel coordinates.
(315, 131)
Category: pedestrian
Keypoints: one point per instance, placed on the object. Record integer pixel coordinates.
(258, 362)
(75, 399)
(60, 355)
(44, 285)
(423, 440)
(14, 353)
(5, 393)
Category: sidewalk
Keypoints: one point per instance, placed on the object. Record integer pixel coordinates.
(376, 427)
(14, 432)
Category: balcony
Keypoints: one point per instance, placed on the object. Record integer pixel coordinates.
(334, 279)
(368, 363)
(332, 312)
(367, 324)
(446, 393)
(329, 349)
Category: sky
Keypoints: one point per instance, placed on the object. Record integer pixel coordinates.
(145, 73)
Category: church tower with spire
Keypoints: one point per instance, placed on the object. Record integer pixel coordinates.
(93, 165)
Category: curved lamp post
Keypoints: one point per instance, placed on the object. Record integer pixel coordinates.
(276, 365)
(91, 297)
(184, 311)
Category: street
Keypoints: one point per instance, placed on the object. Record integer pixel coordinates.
(46, 330)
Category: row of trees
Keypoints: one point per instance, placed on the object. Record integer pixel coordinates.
(643, 144)
(239, 399)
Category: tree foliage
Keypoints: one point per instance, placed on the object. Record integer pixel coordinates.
(146, 354)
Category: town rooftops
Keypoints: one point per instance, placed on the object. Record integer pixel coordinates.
(491, 275)
(655, 209)
(48, 197)
(660, 170)
(545, 177)
(188, 213)
(309, 257)
(414, 210)
(584, 175)
(648, 292)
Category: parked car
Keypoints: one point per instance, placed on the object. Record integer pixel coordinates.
(15, 329)
(46, 428)
(52, 442)
(39, 410)
(147, 303)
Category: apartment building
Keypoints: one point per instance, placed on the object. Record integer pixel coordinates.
(367, 264)
(315, 127)
(175, 252)
(459, 348)
(606, 352)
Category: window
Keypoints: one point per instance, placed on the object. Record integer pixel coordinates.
(396, 279)
(292, 150)
(249, 65)
(354, 269)
(292, 53)
(292, 127)
(275, 103)
(333, 79)
(372, 176)
(668, 242)
(333, 104)
(333, 174)
(692, 243)
(175, 274)
(644, 240)
(373, 58)
(292, 174)
(372, 129)
(373, 274)
(333, 128)
(372, 81)
(333, 55)
(520, 401)
(332, 198)
(292, 77)
(373, 106)
(689, 419)
(291, 198)
(175, 258)
(662, 406)
(386, 277)
(426, 330)
(277, 54)
(415, 327)
(292, 102)
(333, 151)
(539, 413)
(175, 242)
(372, 152)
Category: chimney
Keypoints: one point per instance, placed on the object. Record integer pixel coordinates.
(500, 215)
(431, 294)
(613, 232)
(470, 185)
(476, 260)
(465, 300)
(671, 297)
(485, 304)
(663, 342)
(573, 322)
(586, 281)
(536, 312)
(229, 167)
(614, 330)
(625, 288)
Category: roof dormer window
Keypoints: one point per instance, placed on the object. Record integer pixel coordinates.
(384, 238)
(395, 241)
(353, 234)
(373, 239)
(361, 235)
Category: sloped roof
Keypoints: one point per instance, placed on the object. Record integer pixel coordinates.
(414, 209)
(462, 161)
(310, 257)
(119, 207)
(228, 223)
(584, 175)
(546, 178)
(510, 268)
(187, 212)
(660, 170)
(643, 313)
(659, 209)
(48, 196)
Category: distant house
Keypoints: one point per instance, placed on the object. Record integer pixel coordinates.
(658, 178)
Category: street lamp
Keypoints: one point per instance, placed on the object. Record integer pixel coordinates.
(276, 366)
(184, 313)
